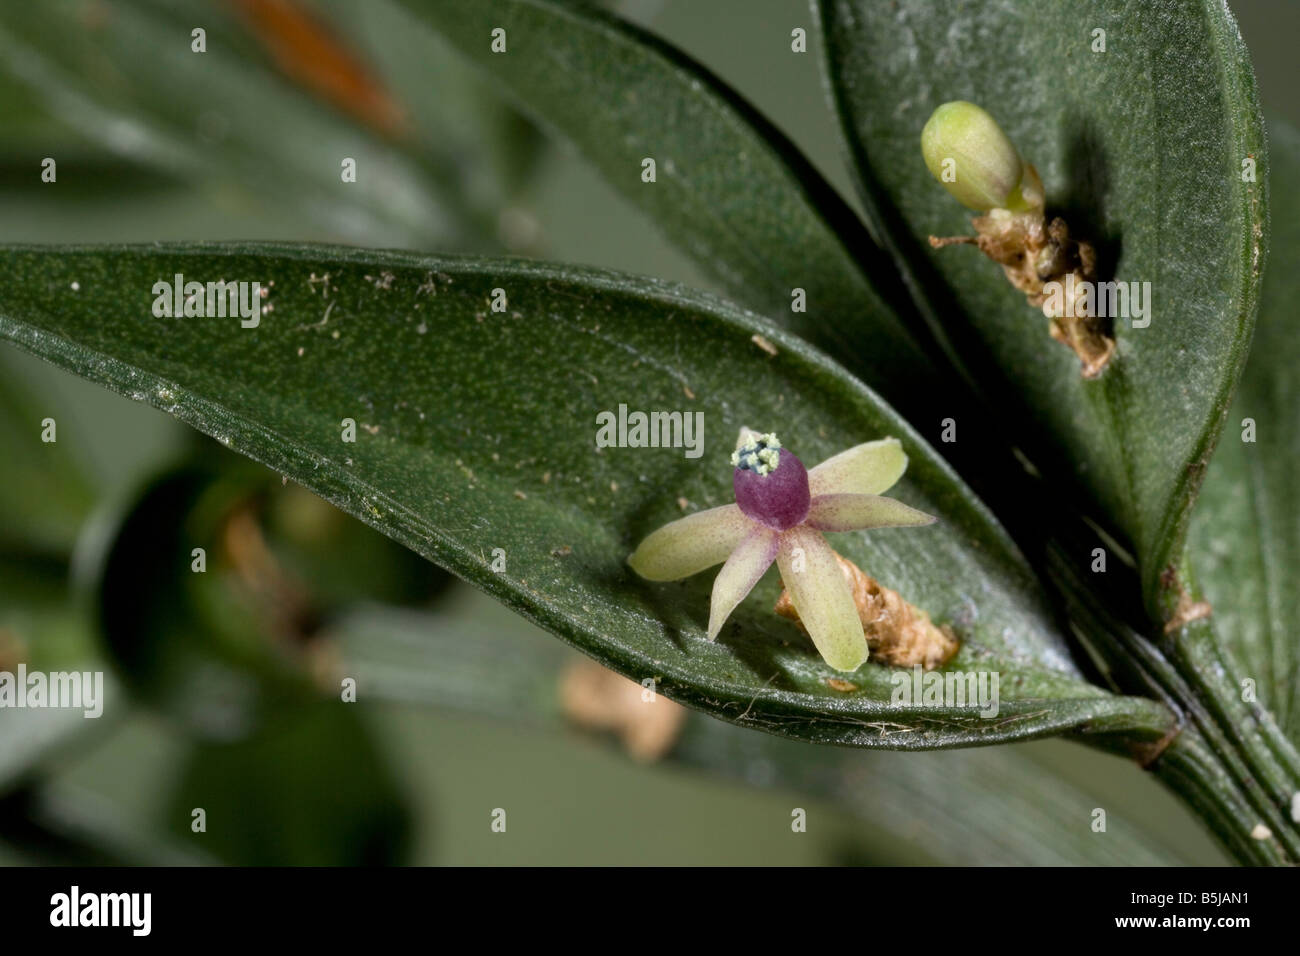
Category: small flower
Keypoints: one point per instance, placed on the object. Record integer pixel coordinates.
(780, 511)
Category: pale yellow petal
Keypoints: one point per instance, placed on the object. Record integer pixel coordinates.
(691, 544)
(859, 512)
(867, 469)
(752, 557)
(822, 597)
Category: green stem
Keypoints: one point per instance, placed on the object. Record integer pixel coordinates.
(1190, 767)
(1236, 778)
(1271, 766)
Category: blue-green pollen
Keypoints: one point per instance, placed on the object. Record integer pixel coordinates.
(761, 454)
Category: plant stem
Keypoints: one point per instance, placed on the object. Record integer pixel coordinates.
(1227, 760)
(1270, 770)
(1190, 767)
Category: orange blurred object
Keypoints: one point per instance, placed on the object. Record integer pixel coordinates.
(312, 55)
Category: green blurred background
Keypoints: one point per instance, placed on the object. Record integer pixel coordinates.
(416, 776)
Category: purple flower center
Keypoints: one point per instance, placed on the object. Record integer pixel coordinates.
(776, 496)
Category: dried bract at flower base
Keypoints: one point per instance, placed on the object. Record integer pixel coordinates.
(899, 634)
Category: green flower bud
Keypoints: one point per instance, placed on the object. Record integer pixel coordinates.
(966, 150)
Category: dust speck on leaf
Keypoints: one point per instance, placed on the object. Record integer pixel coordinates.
(323, 281)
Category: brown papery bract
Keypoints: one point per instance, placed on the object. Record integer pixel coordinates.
(898, 634)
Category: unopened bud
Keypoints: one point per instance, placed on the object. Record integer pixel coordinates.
(966, 150)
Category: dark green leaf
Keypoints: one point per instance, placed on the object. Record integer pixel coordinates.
(1141, 149)
(475, 430)
(730, 189)
(1245, 535)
